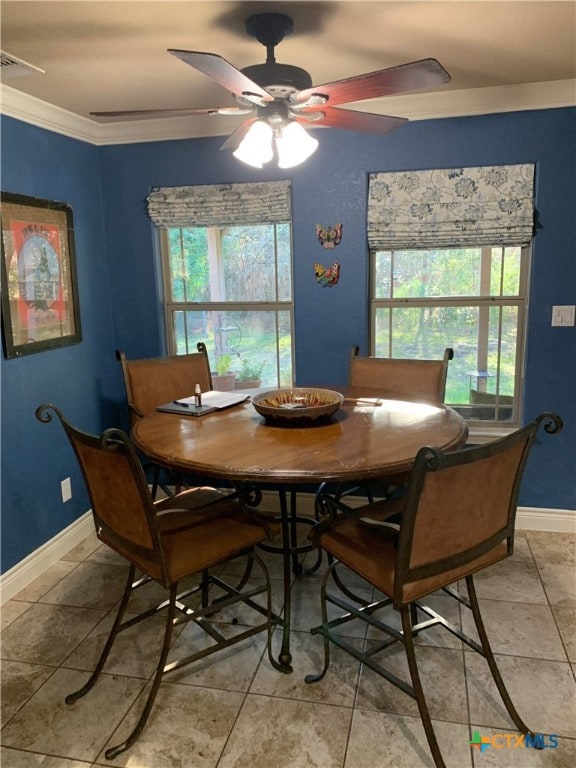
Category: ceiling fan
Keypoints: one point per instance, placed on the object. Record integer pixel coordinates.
(281, 98)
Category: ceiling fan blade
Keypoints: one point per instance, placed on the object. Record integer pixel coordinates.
(233, 141)
(220, 70)
(427, 73)
(351, 120)
(143, 114)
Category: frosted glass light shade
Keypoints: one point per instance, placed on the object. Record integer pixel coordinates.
(255, 149)
(294, 145)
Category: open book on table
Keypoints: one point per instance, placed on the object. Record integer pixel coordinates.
(211, 401)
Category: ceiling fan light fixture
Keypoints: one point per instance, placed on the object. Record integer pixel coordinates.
(255, 149)
(294, 145)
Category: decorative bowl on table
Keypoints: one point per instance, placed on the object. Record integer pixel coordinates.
(293, 405)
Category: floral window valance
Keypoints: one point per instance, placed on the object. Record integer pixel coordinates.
(224, 205)
(451, 207)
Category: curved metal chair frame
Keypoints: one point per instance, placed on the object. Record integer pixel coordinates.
(399, 378)
(457, 518)
(167, 542)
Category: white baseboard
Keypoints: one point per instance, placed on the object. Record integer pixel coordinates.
(527, 518)
(18, 577)
(538, 519)
(42, 558)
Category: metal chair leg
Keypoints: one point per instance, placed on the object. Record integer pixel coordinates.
(417, 686)
(113, 752)
(489, 656)
(277, 665)
(156, 484)
(414, 617)
(341, 586)
(324, 631)
(155, 480)
(72, 697)
(246, 575)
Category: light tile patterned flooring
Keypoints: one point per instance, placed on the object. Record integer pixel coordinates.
(234, 710)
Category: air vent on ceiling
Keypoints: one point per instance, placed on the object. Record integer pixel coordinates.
(10, 66)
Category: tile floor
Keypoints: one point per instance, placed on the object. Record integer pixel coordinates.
(234, 711)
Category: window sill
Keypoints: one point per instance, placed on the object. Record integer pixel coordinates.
(480, 435)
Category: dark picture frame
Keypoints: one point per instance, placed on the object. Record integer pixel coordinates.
(40, 309)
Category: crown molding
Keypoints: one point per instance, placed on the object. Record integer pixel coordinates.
(483, 101)
(29, 109)
(428, 106)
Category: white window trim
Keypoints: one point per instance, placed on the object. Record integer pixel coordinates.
(171, 306)
(481, 432)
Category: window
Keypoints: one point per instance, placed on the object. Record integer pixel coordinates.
(227, 269)
(470, 299)
(449, 252)
(231, 287)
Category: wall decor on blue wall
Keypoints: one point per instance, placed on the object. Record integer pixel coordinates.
(327, 276)
(329, 237)
(40, 296)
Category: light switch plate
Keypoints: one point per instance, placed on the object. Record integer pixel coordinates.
(563, 315)
(66, 488)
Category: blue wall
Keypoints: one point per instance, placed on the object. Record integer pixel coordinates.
(79, 378)
(121, 299)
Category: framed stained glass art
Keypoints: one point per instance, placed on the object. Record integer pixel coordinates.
(40, 308)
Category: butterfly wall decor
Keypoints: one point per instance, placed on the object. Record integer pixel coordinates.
(329, 237)
(327, 276)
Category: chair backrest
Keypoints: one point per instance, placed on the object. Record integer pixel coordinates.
(154, 381)
(123, 510)
(412, 379)
(460, 508)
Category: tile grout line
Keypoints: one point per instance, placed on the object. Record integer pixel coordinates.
(550, 605)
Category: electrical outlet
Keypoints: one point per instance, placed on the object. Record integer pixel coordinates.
(66, 488)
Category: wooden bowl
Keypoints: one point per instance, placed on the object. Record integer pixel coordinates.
(294, 405)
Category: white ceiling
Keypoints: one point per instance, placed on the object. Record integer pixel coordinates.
(112, 55)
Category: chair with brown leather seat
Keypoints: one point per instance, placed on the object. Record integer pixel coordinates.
(153, 381)
(397, 378)
(402, 378)
(167, 542)
(456, 520)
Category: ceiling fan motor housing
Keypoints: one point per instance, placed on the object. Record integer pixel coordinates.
(280, 80)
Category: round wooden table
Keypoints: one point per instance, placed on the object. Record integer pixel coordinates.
(367, 438)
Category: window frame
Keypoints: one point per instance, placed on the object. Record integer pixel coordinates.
(171, 306)
(482, 430)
